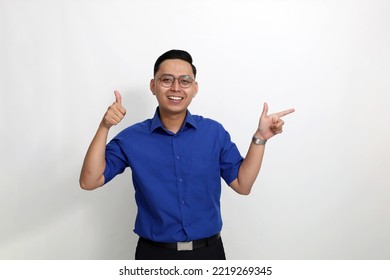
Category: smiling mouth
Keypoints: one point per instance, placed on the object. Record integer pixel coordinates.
(176, 98)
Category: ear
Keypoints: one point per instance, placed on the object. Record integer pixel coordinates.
(196, 88)
(152, 86)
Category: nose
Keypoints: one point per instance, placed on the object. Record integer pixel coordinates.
(175, 86)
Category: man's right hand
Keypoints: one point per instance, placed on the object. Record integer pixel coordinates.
(115, 113)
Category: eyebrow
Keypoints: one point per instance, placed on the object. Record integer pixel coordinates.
(185, 75)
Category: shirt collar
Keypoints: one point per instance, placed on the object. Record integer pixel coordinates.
(156, 121)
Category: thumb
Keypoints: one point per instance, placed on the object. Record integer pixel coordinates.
(265, 110)
(118, 97)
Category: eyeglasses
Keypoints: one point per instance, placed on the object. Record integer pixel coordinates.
(185, 81)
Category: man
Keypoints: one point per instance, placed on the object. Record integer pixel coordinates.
(177, 161)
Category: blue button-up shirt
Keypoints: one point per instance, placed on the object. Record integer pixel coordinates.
(177, 177)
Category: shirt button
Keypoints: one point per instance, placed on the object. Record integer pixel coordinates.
(177, 157)
(182, 202)
(180, 180)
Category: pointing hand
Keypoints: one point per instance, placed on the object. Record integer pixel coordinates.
(270, 125)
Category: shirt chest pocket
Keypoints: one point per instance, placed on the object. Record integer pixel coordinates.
(205, 164)
(205, 173)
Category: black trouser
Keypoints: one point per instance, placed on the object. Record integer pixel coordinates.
(148, 251)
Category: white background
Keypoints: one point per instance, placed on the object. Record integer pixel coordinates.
(323, 191)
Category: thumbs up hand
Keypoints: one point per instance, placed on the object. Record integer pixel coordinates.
(115, 113)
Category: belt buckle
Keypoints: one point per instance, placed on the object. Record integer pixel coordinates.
(185, 246)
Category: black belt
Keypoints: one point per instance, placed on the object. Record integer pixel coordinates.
(185, 246)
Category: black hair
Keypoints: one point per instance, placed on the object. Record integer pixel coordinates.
(174, 54)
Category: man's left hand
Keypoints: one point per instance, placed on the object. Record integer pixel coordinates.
(270, 125)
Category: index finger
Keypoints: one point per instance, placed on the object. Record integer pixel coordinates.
(286, 112)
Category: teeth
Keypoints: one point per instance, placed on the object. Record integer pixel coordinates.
(175, 98)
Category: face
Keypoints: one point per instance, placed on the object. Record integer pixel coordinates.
(175, 99)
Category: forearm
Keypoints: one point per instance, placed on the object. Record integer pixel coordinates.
(91, 176)
(269, 126)
(249, 169)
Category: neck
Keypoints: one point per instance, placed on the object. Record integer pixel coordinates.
(172, 122)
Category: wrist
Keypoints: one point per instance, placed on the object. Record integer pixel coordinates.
(258, 141)
(104, 125)
(258, 135)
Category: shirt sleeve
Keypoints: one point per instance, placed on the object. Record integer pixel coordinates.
(116, 160)
(230, 160)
